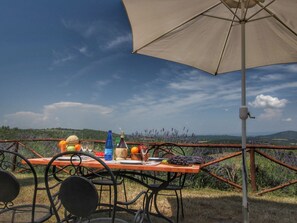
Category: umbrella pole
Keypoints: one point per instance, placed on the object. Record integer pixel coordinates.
(243, 116)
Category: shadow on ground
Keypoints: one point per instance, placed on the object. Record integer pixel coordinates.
(228, 209)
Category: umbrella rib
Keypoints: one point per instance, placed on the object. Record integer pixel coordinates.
(264, 17)
(225, 43)
(217, 17)
(246, 9)
(262, 8)
(176, 27)
(280, 21)
(228, 7)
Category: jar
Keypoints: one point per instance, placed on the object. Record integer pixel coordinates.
(121, 153)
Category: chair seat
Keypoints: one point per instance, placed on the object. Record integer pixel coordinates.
(105, 182)
(22, 214)
(105, 220)
(169, 187)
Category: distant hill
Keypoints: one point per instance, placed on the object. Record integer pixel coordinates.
(285, 135)
(219, 139)
(16, 133)
(281, 138)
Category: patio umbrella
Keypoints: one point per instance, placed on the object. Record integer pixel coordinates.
(217, 36)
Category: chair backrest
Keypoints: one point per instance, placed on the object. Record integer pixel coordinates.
(18, 182)
(167, 150)
(69, 186)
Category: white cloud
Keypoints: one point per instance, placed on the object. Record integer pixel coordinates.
(102, 83)
(283, 67)
(253, 91)
(59, 114)
(84, 29)
(292, 68)
(118, 41)
(272, 106)
(176, 90)
(209, 89)
(272, 77)
(85, 51)
(76, 105)
(267, 101)
(287, 120)
(192, 80)
(271, 114)
(60, 59)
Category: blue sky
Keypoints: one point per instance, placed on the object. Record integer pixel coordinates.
(69, 64)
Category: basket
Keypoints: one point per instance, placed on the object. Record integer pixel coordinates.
(137, 156)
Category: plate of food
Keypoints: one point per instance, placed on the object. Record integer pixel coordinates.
(157, 159)
(152, 163)
(131, 162)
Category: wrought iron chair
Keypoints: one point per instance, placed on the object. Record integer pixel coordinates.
(18, 182)
(168, 150)
(105, 185)
(71, 190)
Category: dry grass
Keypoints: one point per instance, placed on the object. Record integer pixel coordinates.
(213, 206)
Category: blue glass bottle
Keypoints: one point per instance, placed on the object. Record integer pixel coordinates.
(108, 152)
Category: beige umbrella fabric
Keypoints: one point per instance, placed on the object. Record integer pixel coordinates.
(189, 32)
(217, 36)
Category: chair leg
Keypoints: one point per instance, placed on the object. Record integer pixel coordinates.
(151, 203)
(182, 204)
(100, 195)
(125, 193)
(177, 203)
(109, 213)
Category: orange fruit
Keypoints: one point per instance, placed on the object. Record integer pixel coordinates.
(62, 145)
(134, 150)
(77, 147)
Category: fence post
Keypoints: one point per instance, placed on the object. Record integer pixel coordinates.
(14, 161)
(253, 170)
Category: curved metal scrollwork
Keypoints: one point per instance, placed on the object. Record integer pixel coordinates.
(6, 205)
(139, 217)
(3, 163)
(72, 165)
(18, 180)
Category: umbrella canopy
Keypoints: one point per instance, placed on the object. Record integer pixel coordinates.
(217, 36)
(207, 34)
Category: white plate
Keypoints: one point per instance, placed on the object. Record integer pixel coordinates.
(155, 158)
(86, 158)
(151, 163)
(131, 162)
(110, 161)
(67, 158)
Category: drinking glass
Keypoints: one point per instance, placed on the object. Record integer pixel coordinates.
(85, 146)
(90, 147)
(144, 150)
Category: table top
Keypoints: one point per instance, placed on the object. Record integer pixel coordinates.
(118, 165)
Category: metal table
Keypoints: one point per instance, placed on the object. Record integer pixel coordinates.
(135, 172)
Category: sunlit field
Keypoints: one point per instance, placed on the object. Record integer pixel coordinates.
(212, 206)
